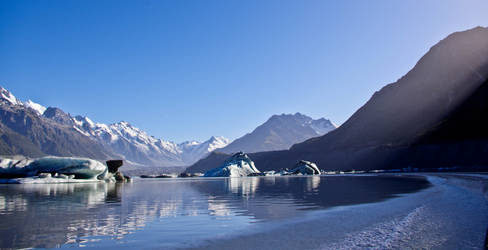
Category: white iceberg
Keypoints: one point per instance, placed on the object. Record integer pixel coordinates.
(238, 165)
(304, 168)
(53, 169)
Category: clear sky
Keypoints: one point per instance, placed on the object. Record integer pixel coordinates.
(184, 70)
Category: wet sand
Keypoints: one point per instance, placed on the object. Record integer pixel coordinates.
(452, 214)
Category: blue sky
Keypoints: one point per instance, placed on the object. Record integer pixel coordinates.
(184, 70)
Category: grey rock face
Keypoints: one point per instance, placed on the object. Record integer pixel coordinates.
(59, 116)
(280, 132)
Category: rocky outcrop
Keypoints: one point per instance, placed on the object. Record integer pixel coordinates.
(188, 175)
(114, 165)
(58, 115)
(119, 177)
(161, 176)
(113, 168)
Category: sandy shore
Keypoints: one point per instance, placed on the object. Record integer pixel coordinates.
(452, 214)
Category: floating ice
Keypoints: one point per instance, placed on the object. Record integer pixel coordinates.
(238, 165)
(53, 169)
(305, 168)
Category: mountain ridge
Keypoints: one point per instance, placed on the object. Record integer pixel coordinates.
(280, 132)
(403, 125)
(116, 140)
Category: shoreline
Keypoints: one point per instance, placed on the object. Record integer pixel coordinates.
(407, 221)
(448, 212)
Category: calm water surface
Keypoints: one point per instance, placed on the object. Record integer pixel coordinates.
(173, 213)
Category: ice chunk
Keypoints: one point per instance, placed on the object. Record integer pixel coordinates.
(238, 165)
(45, 180)
(59, 167)
(14, 167)
(305, 168)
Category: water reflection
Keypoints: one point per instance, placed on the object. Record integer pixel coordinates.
(245, 187)
(271, 198)
(51, 215)
(46, 215)
(313, 183)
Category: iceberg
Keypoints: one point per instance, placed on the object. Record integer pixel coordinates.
(236, 166)
(54, 169)
(81, 168)
(304, 168)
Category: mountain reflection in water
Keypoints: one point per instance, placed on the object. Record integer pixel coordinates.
(52, 215)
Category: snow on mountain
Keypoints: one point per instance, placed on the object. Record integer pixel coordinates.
(280, 132)
(8, 97)
(35, 106)
(322, 126)
(193, 151)
(137, 146)
(126, 141)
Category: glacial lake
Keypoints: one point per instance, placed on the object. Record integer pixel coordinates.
(185, 213)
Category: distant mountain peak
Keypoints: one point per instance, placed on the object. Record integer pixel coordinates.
(8, 97)
(58, 115)
(84, 121)
(123, 123)
(219, 139)
(280, 132)
(120, 139)
(35, 106)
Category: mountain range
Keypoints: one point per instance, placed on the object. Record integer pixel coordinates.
(433, 117)
(30, 129)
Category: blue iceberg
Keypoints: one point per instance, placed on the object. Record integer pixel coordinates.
(236, 166)
(305, 168)
(63, 169)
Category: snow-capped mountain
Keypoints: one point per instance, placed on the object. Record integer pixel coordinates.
(280, 132)
(321, 126)
(122, 139)
(24, 132)
(137, 146)
(8, 97)
(194, 151)
(35, 106)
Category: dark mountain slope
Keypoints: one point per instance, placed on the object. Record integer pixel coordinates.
(12, 143)
(24, 132)
(460, 139)
(414, 121)
(213, 160)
